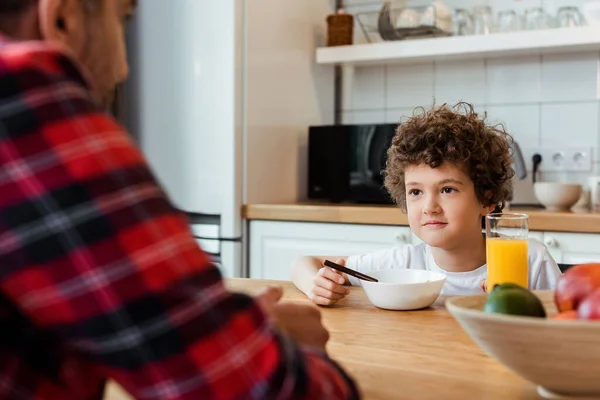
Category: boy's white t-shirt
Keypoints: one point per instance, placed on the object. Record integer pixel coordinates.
(543, 271)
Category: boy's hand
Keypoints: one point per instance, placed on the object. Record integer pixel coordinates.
(328, 286)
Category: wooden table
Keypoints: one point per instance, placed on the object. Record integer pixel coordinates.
(404, 355)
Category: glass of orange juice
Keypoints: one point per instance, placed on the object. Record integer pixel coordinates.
(506, 249)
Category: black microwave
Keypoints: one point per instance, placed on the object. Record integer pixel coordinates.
(346, 162)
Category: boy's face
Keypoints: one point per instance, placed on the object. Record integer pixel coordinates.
(443, 209)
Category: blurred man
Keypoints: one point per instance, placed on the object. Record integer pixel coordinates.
(100, 277)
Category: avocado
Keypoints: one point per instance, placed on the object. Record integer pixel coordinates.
(509, 298)
(507, 285)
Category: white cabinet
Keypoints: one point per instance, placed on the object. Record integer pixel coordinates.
(275, 245)
(573, 248)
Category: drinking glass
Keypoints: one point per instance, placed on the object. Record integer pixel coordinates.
(462, 23)
(482, 20)
(506, 249)
(508, 21)
(537, 18)
(569, 17)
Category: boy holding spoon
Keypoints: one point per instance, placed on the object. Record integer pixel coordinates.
(447, 169)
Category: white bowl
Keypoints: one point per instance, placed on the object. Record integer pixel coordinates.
(562, 357)
(404, 289)
(556, 196)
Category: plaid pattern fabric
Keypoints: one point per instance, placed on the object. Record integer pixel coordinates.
(100, 277)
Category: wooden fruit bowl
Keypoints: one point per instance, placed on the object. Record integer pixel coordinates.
(562, 357)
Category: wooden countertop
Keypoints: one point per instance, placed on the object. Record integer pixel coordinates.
(539, 220)
(399, 355)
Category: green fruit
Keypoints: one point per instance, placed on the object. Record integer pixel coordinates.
(509, 298)
(507, 285)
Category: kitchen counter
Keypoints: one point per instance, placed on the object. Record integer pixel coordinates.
(539, 220)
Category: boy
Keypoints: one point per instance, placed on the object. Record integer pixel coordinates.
(447, 170)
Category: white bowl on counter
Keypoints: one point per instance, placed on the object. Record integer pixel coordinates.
(557, 196)
(404, 289)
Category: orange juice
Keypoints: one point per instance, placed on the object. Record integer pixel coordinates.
(507, 262)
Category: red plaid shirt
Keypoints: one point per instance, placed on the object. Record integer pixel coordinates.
(100, 277)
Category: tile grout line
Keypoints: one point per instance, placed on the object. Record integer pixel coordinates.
(434, 85)
(598, 110)
(540, 105)
(385, 91)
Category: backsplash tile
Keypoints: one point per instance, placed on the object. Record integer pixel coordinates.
(460, 81)
(566, 177)
(368, 88)
(565, 77)
(545, 102)
(396, 115)
(409, 85)
(513, 80)
(521, 121)
(570, 125)
(363, 117)
(596, 157)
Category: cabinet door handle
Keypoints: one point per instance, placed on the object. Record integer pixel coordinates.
(551, 243)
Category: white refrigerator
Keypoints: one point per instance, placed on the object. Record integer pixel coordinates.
(184, 105)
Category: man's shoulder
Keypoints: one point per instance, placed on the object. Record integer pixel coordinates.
(39, 59)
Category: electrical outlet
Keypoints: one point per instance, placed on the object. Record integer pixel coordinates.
(574, 159)
(528, 156)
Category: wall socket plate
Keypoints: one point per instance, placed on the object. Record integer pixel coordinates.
(555, 159)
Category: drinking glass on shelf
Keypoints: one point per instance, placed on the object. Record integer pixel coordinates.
(506, 249)
(508, 21)
(462, 22)
(537, 18)
(569, 17)
(482, 20)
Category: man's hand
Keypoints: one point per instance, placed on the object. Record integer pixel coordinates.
(300, 322)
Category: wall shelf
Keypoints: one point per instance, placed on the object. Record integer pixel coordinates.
(562, 40)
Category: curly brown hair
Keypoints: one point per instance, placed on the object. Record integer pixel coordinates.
(457, 135)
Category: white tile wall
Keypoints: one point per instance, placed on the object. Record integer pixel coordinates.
(569, 125)
(565, 77)
(363, 117)
(514, 80)
(409, 85)
(460, 81)
(544, 101)
(368, 88)
(521, 121)
(566, 177)
(396, 115)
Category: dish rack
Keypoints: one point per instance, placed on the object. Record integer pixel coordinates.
(402, 23)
